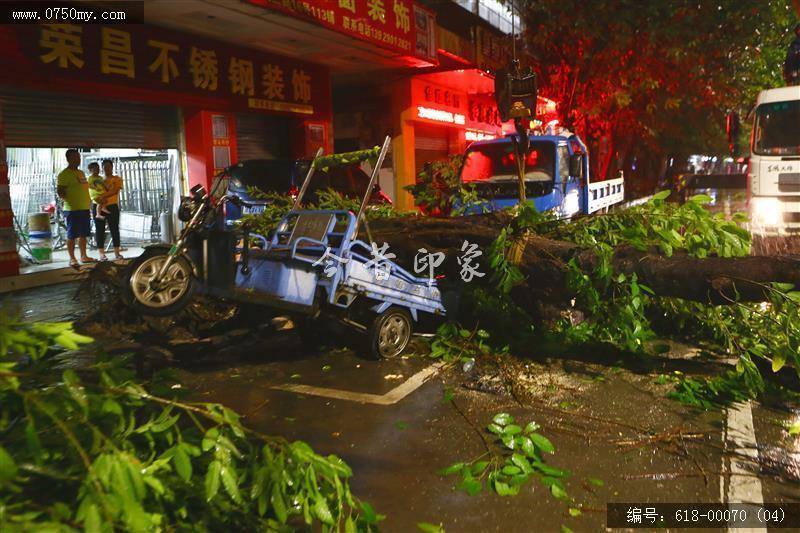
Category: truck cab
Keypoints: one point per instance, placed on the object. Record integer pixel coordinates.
(556, 176)
(773, 175)
(556, 169)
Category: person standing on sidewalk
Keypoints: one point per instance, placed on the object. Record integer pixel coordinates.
(112, 184)
(73, 188)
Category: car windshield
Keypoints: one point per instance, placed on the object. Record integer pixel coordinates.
(777, 131)
(265, 174)
(349, 180)
(497, 162)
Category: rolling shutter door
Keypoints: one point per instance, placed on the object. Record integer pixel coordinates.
(261, 137)
(32, 119)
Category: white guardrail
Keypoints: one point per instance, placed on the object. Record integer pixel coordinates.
(604, 194)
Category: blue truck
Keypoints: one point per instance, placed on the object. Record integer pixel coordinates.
(556, 176)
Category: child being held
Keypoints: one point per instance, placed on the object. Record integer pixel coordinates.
(96, 190)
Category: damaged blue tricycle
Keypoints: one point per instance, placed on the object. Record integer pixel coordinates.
(312, 266)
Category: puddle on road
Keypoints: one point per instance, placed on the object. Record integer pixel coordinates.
(778, 451)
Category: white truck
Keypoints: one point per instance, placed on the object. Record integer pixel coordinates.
(773, 173)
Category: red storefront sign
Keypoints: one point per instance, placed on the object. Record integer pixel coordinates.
(174, 64)
(390, 24)
(438, 104)
(483, 113)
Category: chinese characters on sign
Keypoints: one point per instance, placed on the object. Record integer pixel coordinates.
(388, 23)
(167, 60)
(635, 515)
(425, 262)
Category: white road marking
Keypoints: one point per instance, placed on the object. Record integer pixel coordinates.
(391, 397)
(740, 440)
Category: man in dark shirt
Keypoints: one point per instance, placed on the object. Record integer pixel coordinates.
(791, 67)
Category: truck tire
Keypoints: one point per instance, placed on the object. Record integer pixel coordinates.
(390, 332)
(168, 301)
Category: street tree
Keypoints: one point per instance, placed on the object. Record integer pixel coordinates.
(647, 80)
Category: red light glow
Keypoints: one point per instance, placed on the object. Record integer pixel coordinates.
(440, 115)
(474, 135)
(477, 167)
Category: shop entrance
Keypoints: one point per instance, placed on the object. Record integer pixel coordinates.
(140, 140)
(433, 143)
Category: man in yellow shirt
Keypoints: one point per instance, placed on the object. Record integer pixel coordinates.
(73, 188)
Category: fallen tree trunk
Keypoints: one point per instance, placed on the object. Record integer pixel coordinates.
(544, 263)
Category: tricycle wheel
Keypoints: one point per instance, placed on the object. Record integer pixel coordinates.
(390, 333)
(176, 288)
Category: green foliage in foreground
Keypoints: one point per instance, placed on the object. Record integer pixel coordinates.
(348, 158)
(101, 452)
(440, 191)
(278, 205)
(517, 455)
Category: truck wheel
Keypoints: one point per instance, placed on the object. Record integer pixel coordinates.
(176, 289)
(390, 333)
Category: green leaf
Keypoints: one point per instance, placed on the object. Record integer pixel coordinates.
(91, 521)
(532, 426)
(479, 467)
(322, 511)
(183, 465)
(700, 199)
(8, 468)
(574, 511)
(596, 482)
(557, 491)
(778, 360)
(542, 443)
(504, 489)
(470, 485)
(548, 470)
(520, 461)
(511, 470)
(230, 483)
(494, 428)
(794, 429)
(278, 505)
(74, 387)
(527, 446)
(430, 528)
(448, 395)
(502, 419)
(212, 480)
(661, 195)
(565, 529)
(512, 429)
(452, 469)
(369, 514)
(794, 296)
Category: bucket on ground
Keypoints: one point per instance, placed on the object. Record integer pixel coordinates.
(41, 239)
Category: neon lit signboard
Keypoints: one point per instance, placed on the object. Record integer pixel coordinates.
(440, 115)
(472, 135)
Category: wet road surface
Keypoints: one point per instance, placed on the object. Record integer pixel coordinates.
(608, 421)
